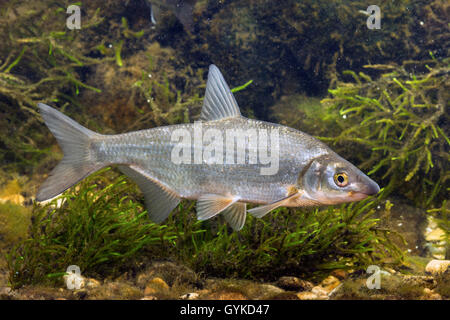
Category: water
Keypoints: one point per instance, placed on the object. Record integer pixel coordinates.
(374, 87)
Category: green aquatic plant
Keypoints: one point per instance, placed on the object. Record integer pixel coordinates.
(397, 127)
(300, 242)
(40, 60)
(98, 228)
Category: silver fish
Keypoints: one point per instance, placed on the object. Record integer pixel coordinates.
(308, 173)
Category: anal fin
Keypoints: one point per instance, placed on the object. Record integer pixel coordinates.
(159, 200)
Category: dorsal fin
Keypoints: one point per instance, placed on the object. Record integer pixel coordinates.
(219, 101)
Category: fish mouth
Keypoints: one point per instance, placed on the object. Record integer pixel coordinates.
(367, 189)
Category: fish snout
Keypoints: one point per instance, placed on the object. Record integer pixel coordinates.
(368, 187)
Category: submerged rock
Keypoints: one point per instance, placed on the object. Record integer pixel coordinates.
(294, 284)
(437, 266)
(306, 295)
(155, 286)
(190, 296)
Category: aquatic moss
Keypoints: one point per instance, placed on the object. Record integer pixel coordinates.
(397, 127)
(99, 229)
(14, 223)
(299, 242)
(40, 61)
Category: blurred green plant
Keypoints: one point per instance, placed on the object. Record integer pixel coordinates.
(397, 127)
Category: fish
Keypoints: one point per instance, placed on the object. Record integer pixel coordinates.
(183, 10)
(185, 161)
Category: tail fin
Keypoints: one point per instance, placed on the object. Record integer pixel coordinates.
(78, 162)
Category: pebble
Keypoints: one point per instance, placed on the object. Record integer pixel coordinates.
(429, 294)
(294, 284)
(270, 290)
(155, 285)
(340, 274)
(13, 198)
(306, 295)
(190, 296)
(320, 292)
(437, 266)
(92, 283)
(329, 283)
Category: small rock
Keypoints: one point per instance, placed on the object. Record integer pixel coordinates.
(149, 298)
(270, 290)
(13, 198)
(329, 283)
(306, 295)
(92, 283)
(5, 292)
(155, 285)
(320, 292)
(429, 294)
(340, 274)
(190, 296)
(437, 266)
(294, 284)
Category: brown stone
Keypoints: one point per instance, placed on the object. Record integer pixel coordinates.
(437, 266)
(294, 284)
(306, 295)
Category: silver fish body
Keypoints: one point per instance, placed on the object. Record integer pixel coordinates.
(222, 161)
(151, 150)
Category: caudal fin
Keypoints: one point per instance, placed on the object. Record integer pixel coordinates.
(78, 161)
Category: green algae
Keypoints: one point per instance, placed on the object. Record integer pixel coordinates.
(397, 128)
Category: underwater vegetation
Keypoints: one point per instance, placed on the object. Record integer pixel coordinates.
(96, 228)
(398, 127)
(39, 61)
(299, 46)
(389, 115)
(104, 230)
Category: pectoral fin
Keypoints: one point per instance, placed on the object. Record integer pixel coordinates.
(235, 215)
(159, 200)
(210, 205)
(261, 211)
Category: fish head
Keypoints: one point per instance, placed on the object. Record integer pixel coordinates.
(331, 179)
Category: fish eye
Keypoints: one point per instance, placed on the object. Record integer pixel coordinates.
(341, 179)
